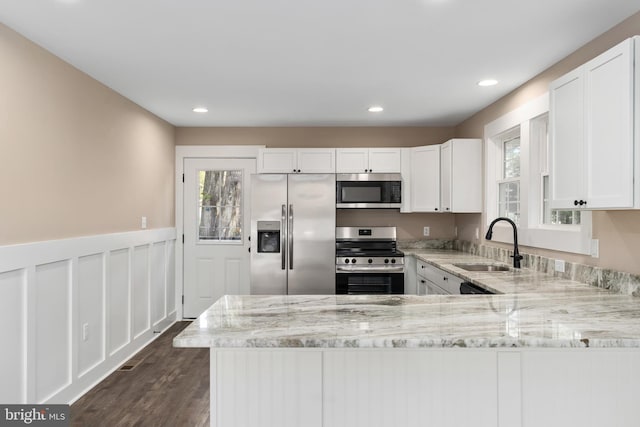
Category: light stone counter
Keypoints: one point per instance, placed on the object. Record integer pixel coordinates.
(533, 310)
(545, 352)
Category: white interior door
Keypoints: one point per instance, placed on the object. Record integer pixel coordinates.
(216, 231)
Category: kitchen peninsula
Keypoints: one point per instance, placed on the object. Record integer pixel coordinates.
(545, 351)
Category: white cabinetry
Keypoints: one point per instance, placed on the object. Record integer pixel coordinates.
(593, 148)
(461, 175)
(425, 179)
(432, 280)
(368, 160)
(296, 160)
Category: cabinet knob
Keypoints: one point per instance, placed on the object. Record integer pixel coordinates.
(294, 170)
(445, 278)
(422, 281)
(436, 209)
(575, 203)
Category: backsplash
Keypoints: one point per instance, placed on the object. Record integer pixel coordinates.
(615, 281)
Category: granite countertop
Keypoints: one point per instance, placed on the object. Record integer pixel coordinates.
(532, 310)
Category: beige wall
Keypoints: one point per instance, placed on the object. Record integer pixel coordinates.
(76, 158)
(315, 136)
(618, 232)
(409, 225)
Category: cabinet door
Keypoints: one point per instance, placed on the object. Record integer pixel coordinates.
(317, 160)
(425, 179)
(352, 160)
(277, 160)
(566, 118)
(609, 128)
(384, 160)
(464, 187)
(445, 176)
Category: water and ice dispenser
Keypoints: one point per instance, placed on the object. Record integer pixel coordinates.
(269, 236)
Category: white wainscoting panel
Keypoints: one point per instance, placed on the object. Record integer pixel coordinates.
(171, 279)
(13, 318)
(266, 388)
(591, 388)
(158, 281)
(119, 300)
(72, 306)
(90, 324)
(141, 293)
(53, 328)
(380, 388)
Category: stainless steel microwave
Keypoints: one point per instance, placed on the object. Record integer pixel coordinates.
(369, 190)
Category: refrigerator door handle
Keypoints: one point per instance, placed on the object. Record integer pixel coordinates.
(283, 233)
(290, 234)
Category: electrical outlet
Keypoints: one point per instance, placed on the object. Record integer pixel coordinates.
(426, 231)
(85, 332)
(559, 265)
(143, 222)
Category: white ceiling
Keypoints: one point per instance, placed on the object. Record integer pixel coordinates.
(312, 63)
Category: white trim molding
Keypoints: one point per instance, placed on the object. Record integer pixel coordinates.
(75, 309)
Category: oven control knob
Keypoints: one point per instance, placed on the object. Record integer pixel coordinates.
(346, 261)
(353, 261)
(386, 260)
(393, 260)
(370, 261)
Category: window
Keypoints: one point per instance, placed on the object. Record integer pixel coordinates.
(220, 207)
(509, 185)
(517, 183)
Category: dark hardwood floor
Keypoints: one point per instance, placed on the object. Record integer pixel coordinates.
(169, 387)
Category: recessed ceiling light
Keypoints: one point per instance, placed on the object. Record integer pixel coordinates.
(200, 110)
(488, 82)
(375, 109)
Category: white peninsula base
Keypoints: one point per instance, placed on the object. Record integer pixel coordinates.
(442, 387)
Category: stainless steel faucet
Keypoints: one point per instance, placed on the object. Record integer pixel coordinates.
(516, 255)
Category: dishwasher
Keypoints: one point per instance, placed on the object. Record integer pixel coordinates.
(468, 288)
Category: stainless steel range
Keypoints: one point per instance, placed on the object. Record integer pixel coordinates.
(368, 261)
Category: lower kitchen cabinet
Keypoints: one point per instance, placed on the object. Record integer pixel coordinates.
(432, 280)
(410, 387)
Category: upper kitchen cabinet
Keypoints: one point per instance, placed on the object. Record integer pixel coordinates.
(594, 152)
(368, 160)
(461, 175)
(425, 179)
(296, 160)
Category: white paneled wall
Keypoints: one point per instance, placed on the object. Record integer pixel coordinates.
(74, 310)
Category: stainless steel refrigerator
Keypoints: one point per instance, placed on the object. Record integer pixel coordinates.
(293, 220)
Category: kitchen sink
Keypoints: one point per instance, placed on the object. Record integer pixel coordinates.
(483, 267)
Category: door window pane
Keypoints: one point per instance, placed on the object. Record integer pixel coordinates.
(220, 205)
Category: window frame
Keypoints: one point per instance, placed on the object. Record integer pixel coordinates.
(531, 231)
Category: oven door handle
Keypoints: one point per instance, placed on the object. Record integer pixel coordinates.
(343, 269)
